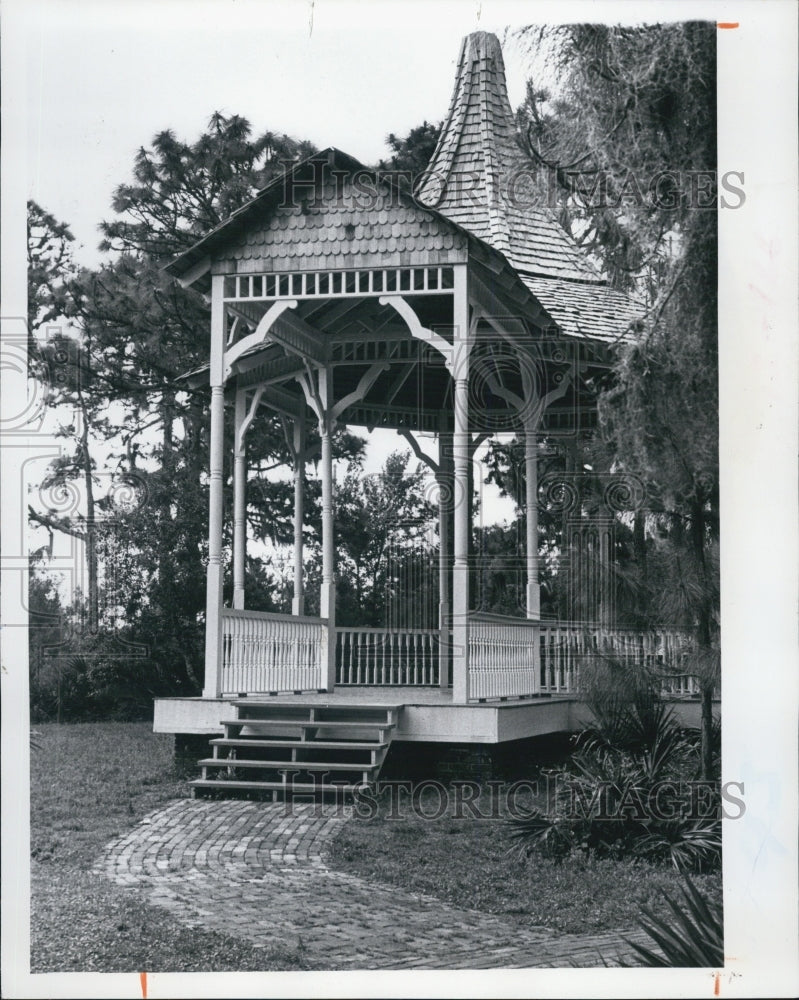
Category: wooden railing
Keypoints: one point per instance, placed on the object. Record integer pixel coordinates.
(503, 660)
(564, 645)
(268, 652)
(378, 657)
(514, 657)
(508, 657)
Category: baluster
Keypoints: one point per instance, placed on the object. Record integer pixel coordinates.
(245, 639)
(228, 655)
(257, 671)
(274, 630)
(253, 654)
(238, 639)
(244, 642)
(403, 673)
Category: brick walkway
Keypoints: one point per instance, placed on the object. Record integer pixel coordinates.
(248, 869)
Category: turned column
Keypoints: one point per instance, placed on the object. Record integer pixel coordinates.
(298, 599)
(213, 605)
(239, 501)
(533, 597)
(461, 450)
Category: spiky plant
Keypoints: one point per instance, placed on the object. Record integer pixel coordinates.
(690, 934)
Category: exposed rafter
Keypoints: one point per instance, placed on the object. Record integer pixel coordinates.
(368, 379)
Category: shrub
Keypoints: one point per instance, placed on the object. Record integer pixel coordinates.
(607, 799)
(689, 934)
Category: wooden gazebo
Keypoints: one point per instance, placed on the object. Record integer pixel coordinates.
(462, 310)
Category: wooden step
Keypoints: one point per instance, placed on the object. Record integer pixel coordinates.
(276, 786)
(243, 741)
(273, 706)
(287, 765)
(290, 731)
(309, 723)
(308, 731)
(368, 714)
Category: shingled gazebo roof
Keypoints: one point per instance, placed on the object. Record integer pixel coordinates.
(479, 178)
(479, 201)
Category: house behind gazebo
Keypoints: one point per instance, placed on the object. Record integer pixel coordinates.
(337, 297)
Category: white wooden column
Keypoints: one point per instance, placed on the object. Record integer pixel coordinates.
(298, 599)
(462, 456)
(533, 601)
(327, 601)
(445, 490)
(239, 500)
(213, 604)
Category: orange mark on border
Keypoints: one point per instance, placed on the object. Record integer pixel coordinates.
(716, 985)
(143, 981)
(727, 24)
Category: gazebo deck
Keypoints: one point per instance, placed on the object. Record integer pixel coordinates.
(423, 714)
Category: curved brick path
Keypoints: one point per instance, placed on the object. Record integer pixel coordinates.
(251, 870)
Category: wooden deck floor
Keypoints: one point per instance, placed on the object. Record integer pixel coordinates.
(426, 714)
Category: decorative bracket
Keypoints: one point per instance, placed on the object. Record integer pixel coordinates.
(366, 382)
(245, 424)
(260, 334)
(418, 331)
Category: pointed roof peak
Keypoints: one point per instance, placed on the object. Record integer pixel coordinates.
(480, 178)
(481, 44)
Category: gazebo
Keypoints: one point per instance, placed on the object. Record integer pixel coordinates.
(462, 310)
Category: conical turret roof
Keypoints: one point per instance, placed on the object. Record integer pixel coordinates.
(480, 178)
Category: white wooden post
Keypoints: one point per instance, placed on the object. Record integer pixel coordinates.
(239, 501)
(531, 513)
(327, 602)
(213, 605)
(298, 600)
(462, 456)
(445, 488)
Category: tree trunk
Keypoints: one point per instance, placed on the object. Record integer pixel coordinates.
(165, 554)
(704, 639)
(91, 519)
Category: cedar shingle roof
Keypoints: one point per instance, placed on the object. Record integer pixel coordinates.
(479, 178)
(586, 310)
(330, 230)
(461, 211)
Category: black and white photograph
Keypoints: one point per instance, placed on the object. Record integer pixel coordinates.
(399, 525)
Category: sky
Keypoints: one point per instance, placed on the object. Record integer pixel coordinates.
(338, 74)
(103, 79)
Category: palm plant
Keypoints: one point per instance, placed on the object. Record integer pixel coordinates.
(607, 800)
(689, 935)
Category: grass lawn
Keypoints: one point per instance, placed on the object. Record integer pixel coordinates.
(89, 783)
(472, 863)
(92, 782)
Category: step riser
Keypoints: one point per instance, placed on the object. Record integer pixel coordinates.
(295, 750)
(288, 790)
